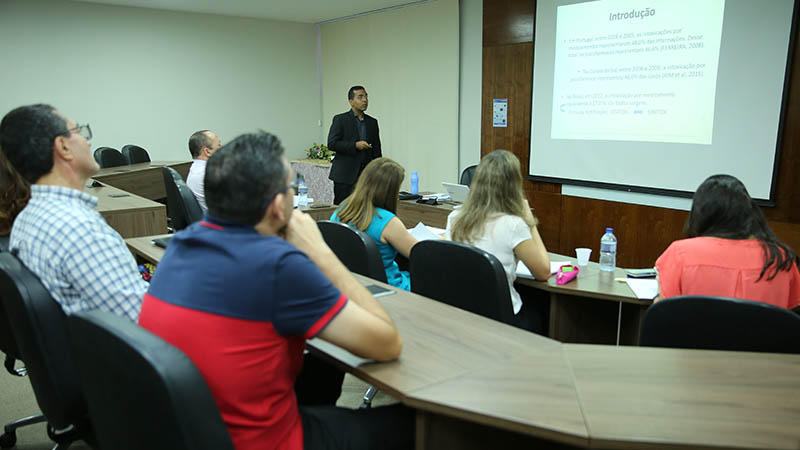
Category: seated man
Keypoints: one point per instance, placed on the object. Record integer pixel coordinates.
(241, 292)
(59, 235)
(202, 144)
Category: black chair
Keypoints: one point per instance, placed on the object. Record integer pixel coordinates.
(360, 254)
(135, 154)
(720, 323)
(109, 157)
(142, 392)
(39, 327)
(8, 345)
(466, 175)
(182, 207)
(357, 251)
(463, 276)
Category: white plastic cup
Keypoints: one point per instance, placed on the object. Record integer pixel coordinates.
(583, 255)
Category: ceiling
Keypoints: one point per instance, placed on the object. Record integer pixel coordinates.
(308, 11)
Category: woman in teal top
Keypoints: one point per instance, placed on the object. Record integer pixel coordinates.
(371, 208)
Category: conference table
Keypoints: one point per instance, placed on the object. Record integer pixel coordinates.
(478, 383)
(129, 214)
(595, 308)
(143, 179)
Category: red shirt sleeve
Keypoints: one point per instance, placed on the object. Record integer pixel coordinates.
(669, 268)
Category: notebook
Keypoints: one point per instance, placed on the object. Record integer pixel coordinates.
(458, 192)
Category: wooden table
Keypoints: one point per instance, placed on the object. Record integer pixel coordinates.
(410, 213)
(129, 214)
(594, 308)
(477, 383)
(143, 179)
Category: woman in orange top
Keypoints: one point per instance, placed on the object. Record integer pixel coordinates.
(730, 251)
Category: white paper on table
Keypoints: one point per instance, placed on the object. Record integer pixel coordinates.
(423, 232)
(523, 272)
(297, 200)
(644, 288)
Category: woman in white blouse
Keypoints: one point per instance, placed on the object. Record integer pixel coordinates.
(496, 218)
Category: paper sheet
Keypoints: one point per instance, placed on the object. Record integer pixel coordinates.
(423, 232)
(523, 272)
(644, 288)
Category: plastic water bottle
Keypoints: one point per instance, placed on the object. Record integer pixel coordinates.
(608, 251)
(414, 183)
(302, 193)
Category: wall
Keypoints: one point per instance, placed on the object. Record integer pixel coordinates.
(153, 77)
(469, 86)
(567, 222)
(407, 59)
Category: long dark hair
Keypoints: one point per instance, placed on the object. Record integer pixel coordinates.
(722, 208)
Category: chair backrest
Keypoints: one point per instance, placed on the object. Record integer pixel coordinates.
(719, 323)
(466, 175)
(135, 154)
(109, 157)
(357, 251)
(142, 392)
(463, 276)
(40, 330)
(182, 207)
(8, 345)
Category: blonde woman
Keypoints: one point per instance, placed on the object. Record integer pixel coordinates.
(496, 218)
(372, 208)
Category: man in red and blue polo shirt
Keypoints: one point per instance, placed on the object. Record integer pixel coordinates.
(242, 290)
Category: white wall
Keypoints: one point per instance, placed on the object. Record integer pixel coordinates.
(470, 83)
(153, 77)
(407, 59)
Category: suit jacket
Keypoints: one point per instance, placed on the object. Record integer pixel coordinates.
(342, 139)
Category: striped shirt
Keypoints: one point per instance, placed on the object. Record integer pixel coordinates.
(80, 259)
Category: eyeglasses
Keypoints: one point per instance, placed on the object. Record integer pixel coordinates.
(292, 185)
(84, 130)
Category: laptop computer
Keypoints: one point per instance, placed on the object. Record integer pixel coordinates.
(458, 192)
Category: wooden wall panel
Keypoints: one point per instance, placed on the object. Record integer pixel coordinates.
(569, 222)
(507, 22)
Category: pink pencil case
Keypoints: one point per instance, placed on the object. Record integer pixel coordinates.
(566, 273)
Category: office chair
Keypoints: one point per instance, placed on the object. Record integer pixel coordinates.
(720, 323)
(360, 254)
(39, 327)
(463, 276)
(135, 154)
(466, 175)
(142, 392)
(357, 251)
(182, 207)
(9, 347)
(109, 157)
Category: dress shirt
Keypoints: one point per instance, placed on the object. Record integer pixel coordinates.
(80, 259)
(197, 174)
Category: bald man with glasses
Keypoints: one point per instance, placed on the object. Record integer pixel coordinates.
(59, 235)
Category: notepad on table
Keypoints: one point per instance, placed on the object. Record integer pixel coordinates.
(523, 272)
(423, 232)
(644, 288)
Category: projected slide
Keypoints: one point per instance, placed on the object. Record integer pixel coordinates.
(628, 70)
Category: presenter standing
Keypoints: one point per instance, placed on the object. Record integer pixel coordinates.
(355, 139)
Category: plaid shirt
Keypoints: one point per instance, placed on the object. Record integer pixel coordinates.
(81, 260)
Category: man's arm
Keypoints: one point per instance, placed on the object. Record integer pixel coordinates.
(100, 267)
(363, 327)
(377, 150)
(337, 140)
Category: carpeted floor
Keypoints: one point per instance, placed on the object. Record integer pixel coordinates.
(17, 401)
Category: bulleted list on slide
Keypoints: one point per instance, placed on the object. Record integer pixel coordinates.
(637, 71)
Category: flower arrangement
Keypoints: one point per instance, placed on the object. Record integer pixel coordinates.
(320, 151)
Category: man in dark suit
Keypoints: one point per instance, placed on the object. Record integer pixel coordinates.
(354, 137)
